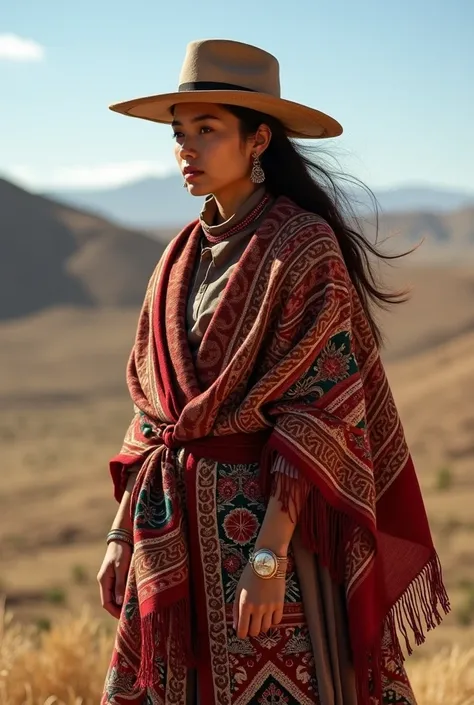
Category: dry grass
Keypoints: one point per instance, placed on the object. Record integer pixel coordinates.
(444, 679)
(67, 666)
(63, 666)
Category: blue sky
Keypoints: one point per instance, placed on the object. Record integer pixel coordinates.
(398, 75)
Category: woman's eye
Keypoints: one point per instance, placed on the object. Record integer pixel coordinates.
(204, 130)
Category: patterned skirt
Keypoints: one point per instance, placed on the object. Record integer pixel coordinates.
(277, 668)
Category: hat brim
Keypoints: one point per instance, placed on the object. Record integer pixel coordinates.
(299, 120)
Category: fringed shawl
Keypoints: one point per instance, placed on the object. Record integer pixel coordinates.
(288, 365)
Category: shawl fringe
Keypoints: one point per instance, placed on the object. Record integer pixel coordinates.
(417, 608)
(158, 629)
(325, 530)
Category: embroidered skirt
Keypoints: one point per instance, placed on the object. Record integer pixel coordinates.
(282, 667)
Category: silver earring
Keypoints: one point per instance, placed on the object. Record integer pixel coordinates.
(257, 175)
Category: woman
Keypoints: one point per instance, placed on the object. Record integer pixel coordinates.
(279, 536)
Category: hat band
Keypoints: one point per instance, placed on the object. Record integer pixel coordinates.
(211, 86)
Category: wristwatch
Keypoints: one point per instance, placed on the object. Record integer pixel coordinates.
(267, 564)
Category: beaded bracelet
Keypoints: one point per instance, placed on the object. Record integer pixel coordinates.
(120, 535)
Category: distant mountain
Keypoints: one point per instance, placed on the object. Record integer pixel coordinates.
(162, 202)
(149, 203)
(416, 198)
(54, 255)
(450, 234)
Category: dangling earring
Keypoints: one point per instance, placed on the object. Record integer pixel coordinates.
(185, 184)
(257, 175)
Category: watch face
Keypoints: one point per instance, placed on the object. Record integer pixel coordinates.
(265, 564)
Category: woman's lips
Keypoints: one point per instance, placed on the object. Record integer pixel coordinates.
(190, 174)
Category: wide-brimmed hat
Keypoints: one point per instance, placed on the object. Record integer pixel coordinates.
(233, 73)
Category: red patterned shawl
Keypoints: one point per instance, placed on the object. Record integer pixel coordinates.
(289, 354)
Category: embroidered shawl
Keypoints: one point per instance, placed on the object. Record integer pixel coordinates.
(287, 366)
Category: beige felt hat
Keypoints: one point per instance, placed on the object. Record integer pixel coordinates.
(223, 71)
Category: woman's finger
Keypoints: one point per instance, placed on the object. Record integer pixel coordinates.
(277, 616)
(255, 627)
(107, 593)
(243, 621)
(120, 583)
(267, 621)
(235, 610)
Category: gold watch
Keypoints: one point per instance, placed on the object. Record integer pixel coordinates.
(266, 564)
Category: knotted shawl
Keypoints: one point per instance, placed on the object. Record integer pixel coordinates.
(287, 366)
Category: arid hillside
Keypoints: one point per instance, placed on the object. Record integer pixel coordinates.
(54, 255)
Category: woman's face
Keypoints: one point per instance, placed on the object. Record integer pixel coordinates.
(209, 150)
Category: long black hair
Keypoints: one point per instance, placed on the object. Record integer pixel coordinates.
(291, 170)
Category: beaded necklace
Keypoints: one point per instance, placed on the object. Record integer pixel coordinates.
(238, 227)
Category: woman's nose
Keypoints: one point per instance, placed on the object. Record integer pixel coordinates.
(187, 149)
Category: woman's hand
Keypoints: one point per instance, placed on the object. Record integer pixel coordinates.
(112, 576)
(258, 603)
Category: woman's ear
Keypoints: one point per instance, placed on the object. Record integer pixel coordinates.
(262, 139)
